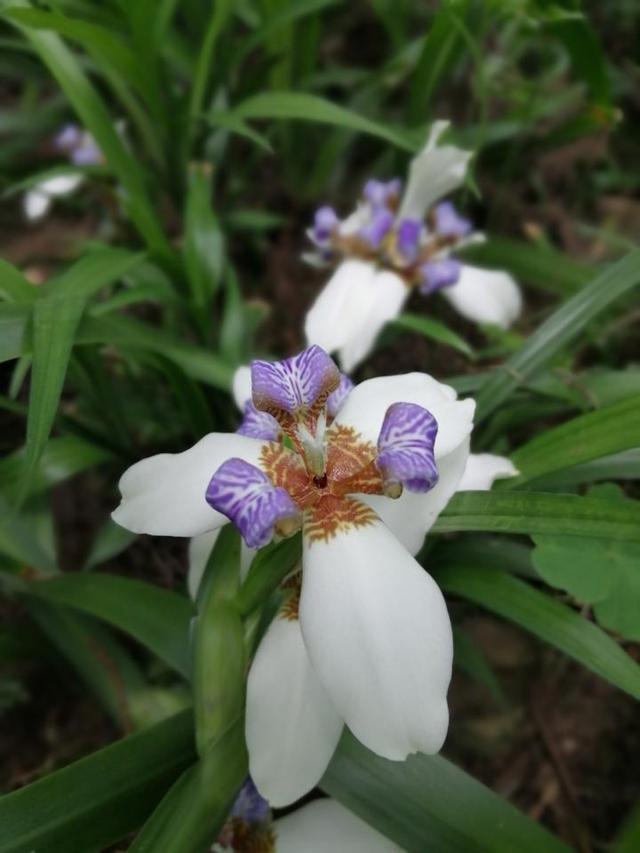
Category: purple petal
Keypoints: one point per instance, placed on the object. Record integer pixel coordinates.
(249, 805)
(449, 223)
(380, 193)
(337, 397)
(257, 424)
(405, 447)
(408, 236)
(325, 222)
(439, 274)
(87, 153)
(377, 228)
(295, 385)
(68, 138)
(249, 499)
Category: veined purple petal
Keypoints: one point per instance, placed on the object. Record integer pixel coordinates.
(408, 237)
(405, 447)
(68, 138)
(249, 805)
(378, 227)
(249, 499)
(337, 397)
(295, 385)
(439, 274)
(449, 223)
(258, 424)
(325, 221)
(380, 193)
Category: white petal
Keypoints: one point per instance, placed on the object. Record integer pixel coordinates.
(324, 826)
(434, 172)
(365, 407)
(387, 295)
(485, 296)
(35, 204)
(241, 386)
(483, 469)
(292, 729)
(335, 318)
(60, 185)
(378, 635)
(412, 515)
(164, 494)
(200, 548)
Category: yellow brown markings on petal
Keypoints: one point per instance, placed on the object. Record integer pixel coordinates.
(291, 606)
(351, 467)
(285, 468)
(332, 515)
(247, 838)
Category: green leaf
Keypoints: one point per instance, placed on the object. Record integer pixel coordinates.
(98, 659)
(157, 618)
(18, 542)
(110, 541)
(13, 323)
(269, 568)
(61, 458)
(98, 800)
(427, 803)
(587, 437)
(305, 107)
(558, 331)
(538, 512)
(14, 286)
(540, 266)
(620, 466)
(56, 315)
(218, 643)
(553, 622)
(203, 244)
(191, 815)
(433, 329)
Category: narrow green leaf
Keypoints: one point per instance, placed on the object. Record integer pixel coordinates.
(542, 615)
(218, 643)
(433, 329)
(608, 430)
(13, 324)
(427, 803)
(14, 286)
(18, 542)
(620, 466)
(98, 800)
(537, 512)
(191, 815)
(558, 331)
(203, 246)
(157, 618)
(305, 107)
(270, 567)
(110, 541)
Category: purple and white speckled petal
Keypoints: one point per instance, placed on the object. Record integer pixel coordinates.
(258, 424)
(249, 805)
(296, 385)
(337, 397)
(439, 274)
(380, 193)
(377, 228)
(249, 499)
(408, 237)
(405, 448)
(449, 223)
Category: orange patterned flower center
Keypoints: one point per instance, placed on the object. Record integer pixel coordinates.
(350, 470)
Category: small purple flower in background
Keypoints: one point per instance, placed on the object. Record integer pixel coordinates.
(80, 149)
(394, 242)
